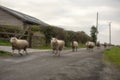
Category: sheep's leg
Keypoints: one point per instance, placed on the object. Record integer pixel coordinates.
(76, 49)
(20, 53)
(73, 49)
(23, 51)
(53, 51)
(26, 52)
(60, 49)
(56, 52)
(12, 53)
(59, 53)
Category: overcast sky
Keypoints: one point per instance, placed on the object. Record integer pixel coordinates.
(76, 15)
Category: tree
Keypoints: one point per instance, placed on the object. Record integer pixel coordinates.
(58, 33)
(52, 31)
(93, 33)
(48, 32)
(82, 37)
(69, 37)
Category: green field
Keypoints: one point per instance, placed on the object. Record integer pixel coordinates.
(113, 55)
(4, 53)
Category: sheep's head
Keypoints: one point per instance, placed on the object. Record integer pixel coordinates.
(13, 39)
(54, 40)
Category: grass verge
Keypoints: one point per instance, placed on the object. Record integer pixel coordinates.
(4, 53)
(66, 48)
(81, 45)
(4, 43)
(113, 55)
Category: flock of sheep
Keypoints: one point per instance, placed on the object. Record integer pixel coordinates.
(56, 44)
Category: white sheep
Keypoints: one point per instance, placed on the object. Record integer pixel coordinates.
(90, 45)
(74, 45)
(98, 44)
(105, 44)
(19, 45)
(57, 45)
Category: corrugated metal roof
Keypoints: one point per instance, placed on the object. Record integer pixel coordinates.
(24, 17)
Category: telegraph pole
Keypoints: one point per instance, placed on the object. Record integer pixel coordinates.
(97, 25)
(109, 32)
(97, 22)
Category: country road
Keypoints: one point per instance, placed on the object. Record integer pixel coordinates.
(81, 65)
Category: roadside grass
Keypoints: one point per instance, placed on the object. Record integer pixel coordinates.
(113, 55)
(81, 45)
(4, 43)
(42, 47)
(4, 53)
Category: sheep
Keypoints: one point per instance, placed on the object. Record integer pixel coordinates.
(74, 45)
(105, 44)
(98, 44)
(57, 45)
(90, 45)
(19, 45)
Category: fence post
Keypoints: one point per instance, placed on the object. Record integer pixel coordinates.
(30, 35)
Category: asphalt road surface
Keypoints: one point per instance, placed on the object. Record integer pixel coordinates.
(81, 65)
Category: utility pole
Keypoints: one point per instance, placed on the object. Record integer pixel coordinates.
(109, 32)
(97, 22)
(97, 25)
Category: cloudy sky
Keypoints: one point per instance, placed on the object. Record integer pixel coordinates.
(76, 15)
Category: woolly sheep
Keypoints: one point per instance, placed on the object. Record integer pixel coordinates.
(74, 45)
(98, 44)
(19, 45)
(90, 45)
(105, 44)
(57, 45)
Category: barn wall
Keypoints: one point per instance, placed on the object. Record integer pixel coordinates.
(7, 19)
